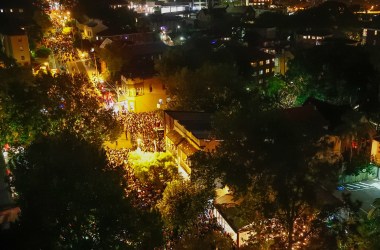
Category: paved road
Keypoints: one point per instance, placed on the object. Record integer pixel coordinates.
(365, 192)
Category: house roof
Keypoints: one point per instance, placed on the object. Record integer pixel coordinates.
(330, 112)
(198, 123)
(306, 118)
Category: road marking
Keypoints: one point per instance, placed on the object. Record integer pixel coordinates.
(358, 186)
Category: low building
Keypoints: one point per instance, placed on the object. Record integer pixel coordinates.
(371, 36)
(187, 132)
(140, 94)
(312, 37)
(16, 45)
(90, 28)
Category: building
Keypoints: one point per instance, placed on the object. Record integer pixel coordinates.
(187, 132)
(11, 8)
(16, 45)
(312, 37)
(262, 65)
(117, 4)
(140, 95)
(371, 36)
(90, 28)
(258, 3)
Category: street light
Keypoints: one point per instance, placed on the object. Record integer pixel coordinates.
(96, 66)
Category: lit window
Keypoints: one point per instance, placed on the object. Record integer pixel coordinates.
(304, 37)
(261, 63)
(267, 71)
(253, 64)
(365, 32)
(375, 32)
(267, 61)
(313, 37)
(308, 37)
(261, 72)
(11, 10)
(1, 10)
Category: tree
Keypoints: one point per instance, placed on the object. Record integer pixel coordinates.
(356, 134)
(270, 160)
(42, 20)
(115, 58)
(208, 88)
(335, 73)
(182, 204)
(43, 52)
(154, 169)
(71, 198)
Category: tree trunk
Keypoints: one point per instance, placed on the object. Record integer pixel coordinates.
(5, 198)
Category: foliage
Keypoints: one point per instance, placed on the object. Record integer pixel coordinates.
(182, 203)
(205, 236)
(43, 52)
(277, 181)
(69, 197)
(112, 54)
(207, 88)
(278, 93)
(356, 134)
(155, 169)
(42, 20)
(48, 105)
(337, 74)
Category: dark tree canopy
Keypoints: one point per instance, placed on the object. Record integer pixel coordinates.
(337, 74)
(71, 198)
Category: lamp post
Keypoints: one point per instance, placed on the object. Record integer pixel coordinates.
(96, 65)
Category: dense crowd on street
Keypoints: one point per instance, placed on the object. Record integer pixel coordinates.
(143, 130)
(142, 195)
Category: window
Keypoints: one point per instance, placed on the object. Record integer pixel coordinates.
(21, 48)
(304, 37)
(254, 64)
(267, 61)
(20, 10)
(365, 32)
(261, 72)
(261, 63)
(267, 71)
(22, 58)
(1, 10)
(375, 32)
(313, 37)
(20, 40)
(11, 10)
(261, 80)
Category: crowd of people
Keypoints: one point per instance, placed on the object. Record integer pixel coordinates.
(143, 130)
(59, 43)
(143, 195)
